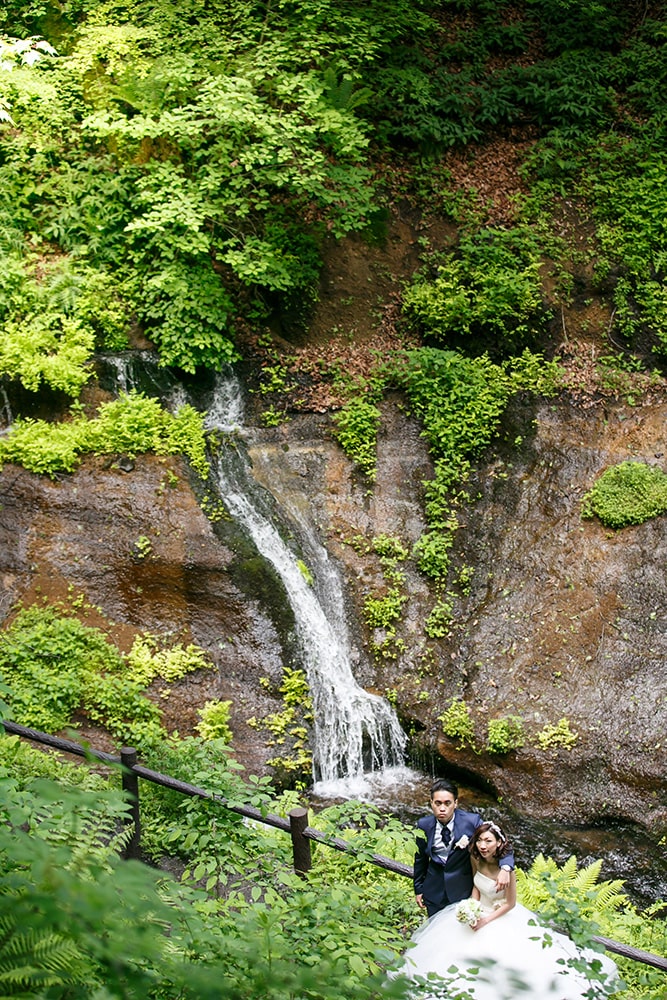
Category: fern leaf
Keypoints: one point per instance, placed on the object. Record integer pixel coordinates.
(29, 959)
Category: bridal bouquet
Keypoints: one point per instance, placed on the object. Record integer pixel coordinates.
(468, 911)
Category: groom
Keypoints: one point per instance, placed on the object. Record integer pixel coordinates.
(442, 872)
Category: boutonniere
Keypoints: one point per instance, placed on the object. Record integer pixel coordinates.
(462, 842)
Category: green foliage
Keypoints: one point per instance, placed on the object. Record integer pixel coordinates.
(629, 209)
(582, 885)
(291, 729)
(46, 659)
(457, 723)
(390, 550)
(356, 431)
(151, 657)
(267, 934)
(431, 551)
(56, 667)
(505, 734)
(578, 900)
(54, 314)
(185, 828)
(557, 735)
(198, 159)
(460, 402)
(628, 493)
(131, 424)
(214, 721)
(439, 620)
(488, 291)
(143, 547)
(384, 612)
(25, 763)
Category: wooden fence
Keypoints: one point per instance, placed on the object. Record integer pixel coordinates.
(296, 824)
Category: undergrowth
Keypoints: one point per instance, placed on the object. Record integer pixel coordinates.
(628, 493)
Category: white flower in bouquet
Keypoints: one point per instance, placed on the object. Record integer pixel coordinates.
(468, 911)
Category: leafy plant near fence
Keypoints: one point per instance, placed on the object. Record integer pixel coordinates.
(76, 919)
(579, 901)
(61, 883)
(55, 667)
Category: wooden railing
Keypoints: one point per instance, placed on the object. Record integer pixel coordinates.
(296, 824)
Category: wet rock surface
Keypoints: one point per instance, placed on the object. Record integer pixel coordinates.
(145, 559)
(564, 619)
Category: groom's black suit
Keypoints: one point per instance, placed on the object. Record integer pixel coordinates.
(443, 882)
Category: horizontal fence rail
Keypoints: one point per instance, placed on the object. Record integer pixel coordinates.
(296, 825)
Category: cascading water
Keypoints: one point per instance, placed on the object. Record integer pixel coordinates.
(354, 731)
(358, 744)
(5, 410)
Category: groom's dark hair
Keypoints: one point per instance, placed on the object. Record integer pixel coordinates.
(444, 785)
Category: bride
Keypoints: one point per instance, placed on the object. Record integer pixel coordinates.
(490, 947)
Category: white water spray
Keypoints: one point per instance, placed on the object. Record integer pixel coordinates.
(355, 732)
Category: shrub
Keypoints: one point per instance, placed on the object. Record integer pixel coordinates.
(505, 734)
(488, 290)
(457, 723)
(629, 493)
(131, 424)
(54, 667)
(150, 658)
(214, 724)
(356, 431)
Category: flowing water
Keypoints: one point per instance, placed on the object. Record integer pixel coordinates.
(356, 734)
(358, 743)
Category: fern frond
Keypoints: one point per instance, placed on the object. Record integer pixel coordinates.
(542, 866)
(29, 959)
(610, 895)
(568, 873)
(585, 879)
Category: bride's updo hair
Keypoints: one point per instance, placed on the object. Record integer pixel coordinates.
(504, 846)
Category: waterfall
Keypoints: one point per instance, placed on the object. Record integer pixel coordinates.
(354, 732)
(121, 366)
(133, 369)
(5, 410)
(358, 743)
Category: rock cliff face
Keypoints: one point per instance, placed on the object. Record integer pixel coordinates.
(564, 619)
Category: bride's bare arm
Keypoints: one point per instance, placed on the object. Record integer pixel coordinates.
(505, 907)
(475, 891)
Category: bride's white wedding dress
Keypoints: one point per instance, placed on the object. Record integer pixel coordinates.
(516, 957)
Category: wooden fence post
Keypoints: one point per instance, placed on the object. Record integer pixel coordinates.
(130, 784)
(298, 821)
